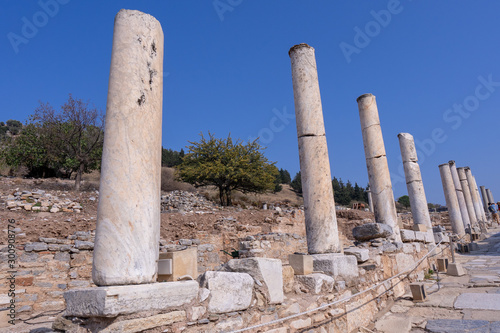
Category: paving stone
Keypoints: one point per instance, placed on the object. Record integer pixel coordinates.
(393, 324)
(478, 301)
(457, 326)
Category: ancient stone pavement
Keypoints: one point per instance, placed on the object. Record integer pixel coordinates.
(470, 303)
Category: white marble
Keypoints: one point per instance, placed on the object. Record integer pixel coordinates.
(450, 195)
(320, 217)
(460, 195)
(376, 162)
(467, 196)
(128, 215)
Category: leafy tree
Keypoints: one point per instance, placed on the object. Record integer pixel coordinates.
(229, 165)
(297, 183)
(277, 184)
(70, 140)
(171, 158)
(285, 177)
(14, 126)
(404, 200)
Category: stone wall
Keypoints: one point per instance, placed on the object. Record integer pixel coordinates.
(52, 266)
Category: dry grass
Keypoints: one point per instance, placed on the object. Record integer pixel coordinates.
(168, 182)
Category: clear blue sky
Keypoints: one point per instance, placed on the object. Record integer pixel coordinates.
(228, 70)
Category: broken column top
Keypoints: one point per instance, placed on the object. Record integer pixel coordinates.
(149, 20)
(362, 97)
(451, 162)
(299, 46)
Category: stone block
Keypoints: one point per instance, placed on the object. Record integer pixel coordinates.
(265, 271)
(418, 292)
(420, 236)
(142, 324)
(316, 283)
(438, 236)
(394, 325)
(455, 269)
(420, 227)
(478, 301)
(361, 255)
(336, 264)
(404, 262)
(407, 235)
(302, 264)
(369, 231)
(84, 245)
(457, 326)
(36, 246)
(184, 263)
(116, 300)
(229, 291)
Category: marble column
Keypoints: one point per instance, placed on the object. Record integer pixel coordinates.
(483, 214)
(460, 194)
(485, 198)
(376, 163)
(320, 217)
(128, 215)
(467, 196)
(450, 195)
(414, 184)
(370, 200)
(489, 195)
(473, 194)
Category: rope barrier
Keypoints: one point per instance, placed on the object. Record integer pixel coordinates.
(343, 299)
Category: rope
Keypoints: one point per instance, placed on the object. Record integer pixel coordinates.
(341, 300)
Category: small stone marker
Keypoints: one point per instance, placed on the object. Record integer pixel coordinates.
(455, 269)
(418, 292)
(420, 227)
(184, 263)
(442, 265)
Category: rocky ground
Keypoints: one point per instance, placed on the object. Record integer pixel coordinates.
(183, 213)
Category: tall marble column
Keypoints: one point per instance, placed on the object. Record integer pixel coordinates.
(483, 214)
(414, 184)
(376, 163)
(460, 194)
(467, 196)
(370, 200)
(320, 217)
(128, 216)
(473, 194)
(484, 196)
(450, 195)
(490, 196)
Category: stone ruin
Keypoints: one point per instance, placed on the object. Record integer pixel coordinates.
(254, 291)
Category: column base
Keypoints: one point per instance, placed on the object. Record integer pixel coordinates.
(112, 301)
(336, 264)
(455, 269)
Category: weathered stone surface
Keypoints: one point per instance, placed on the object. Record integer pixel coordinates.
(114, 300)
(420, 236)
(451, 198)
(478, 301)
(467, 196)
(265, 271)
(457, 326)
(376, 163)
(404, 262)
(126, 243)
(336, 265)
(229, 291)
(460, 194)
(141, 324)
(455, 269)
(371, 231)
(407, 235)
(361, 255)
(84, 245)
(414, 184)
(230, 324)
(320, 217)
(301, 264)
(36, 246)
(394, 325)
(438, 236)
(301, 323)
(316, 283)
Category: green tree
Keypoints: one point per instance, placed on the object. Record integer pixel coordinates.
(404, 200)
(297, 183)
(14, 126)
(229, 165)
(285, 177)
(69, 141)
(171, 158)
